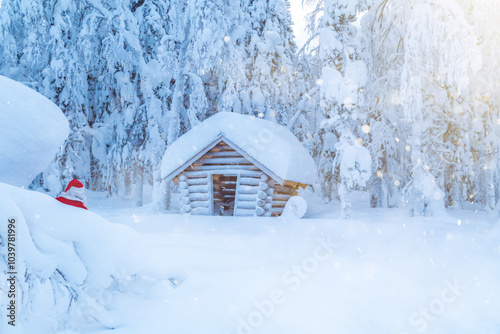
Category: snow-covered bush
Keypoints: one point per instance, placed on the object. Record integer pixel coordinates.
(426, 197)
(67, 260)
(354, 162)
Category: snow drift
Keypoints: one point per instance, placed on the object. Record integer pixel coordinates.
(32, 129)
(66, 258)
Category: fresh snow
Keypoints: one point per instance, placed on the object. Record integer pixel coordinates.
(386, 272)
(32, 129)
(65, 258)
(269, 143)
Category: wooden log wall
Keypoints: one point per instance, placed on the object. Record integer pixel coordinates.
(195, 193)
(281, 195)
(255, 193)
(221, 159)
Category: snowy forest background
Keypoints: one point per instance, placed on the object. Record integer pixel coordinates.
(414, 81)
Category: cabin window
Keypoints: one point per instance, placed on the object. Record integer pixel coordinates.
(224, 193)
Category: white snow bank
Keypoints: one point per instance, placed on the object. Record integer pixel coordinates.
(269, 143)
(78, 252)
(32, 129)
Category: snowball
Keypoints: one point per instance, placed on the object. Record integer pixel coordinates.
(295, 207)
(32, 129)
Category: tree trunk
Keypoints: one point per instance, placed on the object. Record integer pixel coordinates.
(345, 200)
(138, 185)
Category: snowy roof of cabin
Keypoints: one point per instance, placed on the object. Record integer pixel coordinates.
(267, 143)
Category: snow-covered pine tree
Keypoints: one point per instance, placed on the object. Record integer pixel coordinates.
(386, 132)
(435, 82)
(269, 61)
(341, 81)
(419, 88)
(485, 97)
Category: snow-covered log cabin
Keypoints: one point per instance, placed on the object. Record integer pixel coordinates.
(233, 164)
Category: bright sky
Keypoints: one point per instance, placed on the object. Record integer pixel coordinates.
(298, 15)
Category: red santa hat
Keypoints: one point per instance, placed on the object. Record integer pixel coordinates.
(78, 186)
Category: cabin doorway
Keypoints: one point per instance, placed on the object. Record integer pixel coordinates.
(224, 194)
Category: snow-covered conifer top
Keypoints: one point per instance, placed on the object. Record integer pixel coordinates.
(269, 143)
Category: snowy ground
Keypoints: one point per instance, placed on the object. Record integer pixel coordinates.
(381, 272)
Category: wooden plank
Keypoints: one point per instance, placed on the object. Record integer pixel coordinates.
(246, 205)
(200, 211)
(223, 161)
(244, 212)
(277, 210)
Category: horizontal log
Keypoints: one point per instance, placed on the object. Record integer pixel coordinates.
(186, 209)
(277, 210)
(198, 189)
(185, 200)
(244, 212)
(284, 190)
(182, 178)
(193, 182)
(246, 205)
(281, 197)
(220, 154)
(263, 186)
(199, 197)
(200, 204)
(200, 211)
(247, 197)
(221, 169)
(251, 181)
(223, 161)
(195, 174)
(248, 190)
(230, 170)
(277, 204)
(183, 185)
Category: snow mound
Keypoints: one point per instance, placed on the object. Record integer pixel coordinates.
(269, 143)
(32, 129)
(66, 258)
(295, 207)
